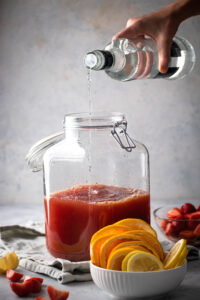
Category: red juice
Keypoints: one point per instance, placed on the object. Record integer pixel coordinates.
(75, 214)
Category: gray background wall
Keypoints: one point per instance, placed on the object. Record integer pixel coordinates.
(42, 77)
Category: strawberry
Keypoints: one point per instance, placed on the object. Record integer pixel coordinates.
(33, 285)
(170, 230)
(197, 231)
(187, 208)
(198, 209)
(193, 219)
(41, 298)
(20, 289)
(187, 234)
(56, 294)
(163, 224)
(179, 224)
(35, 278)
(174, 213)
(13, 275)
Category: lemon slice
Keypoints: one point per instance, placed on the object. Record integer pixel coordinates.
(176, 255)
(182, 257)
(8, 261)
(140, 261)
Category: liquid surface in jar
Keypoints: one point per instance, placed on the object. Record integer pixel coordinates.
(75, 214)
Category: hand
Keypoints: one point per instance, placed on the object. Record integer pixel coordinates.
(160, 25)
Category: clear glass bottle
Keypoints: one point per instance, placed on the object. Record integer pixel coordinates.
(94, 177)
(126, 60)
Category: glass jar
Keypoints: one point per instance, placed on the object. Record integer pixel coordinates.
(94, 177)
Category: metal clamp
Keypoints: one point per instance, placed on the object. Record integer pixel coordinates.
(120, 128)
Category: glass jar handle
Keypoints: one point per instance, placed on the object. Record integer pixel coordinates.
(119, 132)
(35, 154)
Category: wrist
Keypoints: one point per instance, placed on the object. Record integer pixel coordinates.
(184, 9)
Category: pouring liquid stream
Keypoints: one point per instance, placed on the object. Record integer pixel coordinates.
(90, 132)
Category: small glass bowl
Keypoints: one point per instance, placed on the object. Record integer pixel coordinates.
(176, 229)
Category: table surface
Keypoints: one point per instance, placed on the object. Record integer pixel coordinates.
(14, 214)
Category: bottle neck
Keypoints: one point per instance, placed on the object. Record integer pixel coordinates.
(99, 60)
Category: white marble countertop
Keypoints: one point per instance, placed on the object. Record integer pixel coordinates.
(15, 214)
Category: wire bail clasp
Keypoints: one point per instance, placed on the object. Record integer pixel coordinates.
(120, 128)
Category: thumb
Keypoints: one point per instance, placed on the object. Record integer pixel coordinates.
(164, 48)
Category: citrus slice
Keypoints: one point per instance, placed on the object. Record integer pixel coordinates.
(100, 236)
(173, 256)
(137, 245)
(95, 249)
(118, 253)
(182, 257)
(115, 258)
(141, 261)
(8, 261)
(107, 246)
(137, 224)
(150, 239)
(134, 247)
(109, 230)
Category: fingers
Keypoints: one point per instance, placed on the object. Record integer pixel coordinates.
(132, 30)
(127, 33)
(164, 47)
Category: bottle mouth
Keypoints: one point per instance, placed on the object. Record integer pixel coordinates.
(93, 120)
(98, 60)
(91, 61)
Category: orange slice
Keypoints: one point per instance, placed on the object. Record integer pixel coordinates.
(107, 246)
(109, 230)
(115, 258)
(136, 245)
(137, 224)
(95, 249)
(117, 255)
(150, 239)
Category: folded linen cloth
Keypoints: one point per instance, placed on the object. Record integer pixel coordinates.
(28, 241)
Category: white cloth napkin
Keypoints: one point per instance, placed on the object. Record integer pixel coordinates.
(28, 241)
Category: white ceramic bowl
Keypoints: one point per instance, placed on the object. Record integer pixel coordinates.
(137, 284)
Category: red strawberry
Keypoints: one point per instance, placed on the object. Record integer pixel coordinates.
(33, 285)
(198, 209)
(193, 219)
(187, 234)
(179, 224)
(170, 230)
(41, 298)
(163, 224)
(13, 276)
(20, 289)
(35, 278)
(187, 208)
(197, 231)
(56, 294)
(174, 213)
